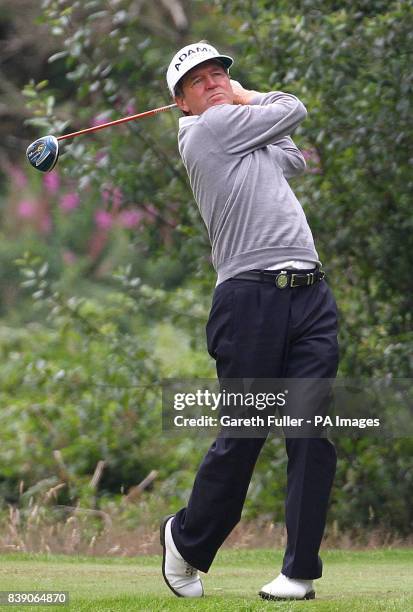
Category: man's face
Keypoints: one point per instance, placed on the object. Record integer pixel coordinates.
(204, 86)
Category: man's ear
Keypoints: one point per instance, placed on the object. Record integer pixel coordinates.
(180, 101)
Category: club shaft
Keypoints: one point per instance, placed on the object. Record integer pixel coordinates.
(96, 128)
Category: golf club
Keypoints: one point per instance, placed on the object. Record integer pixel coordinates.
(43, 153)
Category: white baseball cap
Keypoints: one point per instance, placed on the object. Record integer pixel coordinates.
(190, 56)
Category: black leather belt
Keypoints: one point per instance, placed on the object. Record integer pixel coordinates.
(282, 278)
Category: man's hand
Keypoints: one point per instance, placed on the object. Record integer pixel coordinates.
(241, 95)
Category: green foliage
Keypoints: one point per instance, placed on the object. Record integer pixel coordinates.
(118, 68)
(373, 480)
(90, 388)
(350, 63)
(87, 387)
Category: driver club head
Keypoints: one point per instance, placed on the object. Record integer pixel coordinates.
(43, 153)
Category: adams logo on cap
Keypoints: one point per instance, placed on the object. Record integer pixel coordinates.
(190, 51)
(190, 56)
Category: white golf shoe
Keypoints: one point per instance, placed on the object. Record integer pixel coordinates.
(181, 578)
(287, 588)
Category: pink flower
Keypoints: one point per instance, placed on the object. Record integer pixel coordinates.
(18, 177)
(130, 109)
(106, 195)
(100, 155)
(69, 257)
(51, 182)
(117, 198)
(314, 171)
(130, 218)
(97, 244)
(103, 219)
(101, 118)
(313, 161)
(150, 208)
(113, 195)
(46, 224)
(26, 209)
(69, 201)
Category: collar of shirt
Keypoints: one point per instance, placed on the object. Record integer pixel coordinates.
(187, 120)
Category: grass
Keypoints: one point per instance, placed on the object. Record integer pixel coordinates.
(373, 581)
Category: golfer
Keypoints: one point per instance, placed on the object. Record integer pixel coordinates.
(272, 315)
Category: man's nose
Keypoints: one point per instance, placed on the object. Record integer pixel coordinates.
(210, 82)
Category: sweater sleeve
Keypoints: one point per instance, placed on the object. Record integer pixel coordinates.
(241, 129)
(288, 157)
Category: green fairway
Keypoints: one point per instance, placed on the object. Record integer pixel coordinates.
(378, 580)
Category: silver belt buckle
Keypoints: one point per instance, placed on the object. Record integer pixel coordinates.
(293, 280)
(281, 280)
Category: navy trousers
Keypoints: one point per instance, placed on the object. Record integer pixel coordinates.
(256, 330)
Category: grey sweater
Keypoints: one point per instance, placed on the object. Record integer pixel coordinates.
(238, 159)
